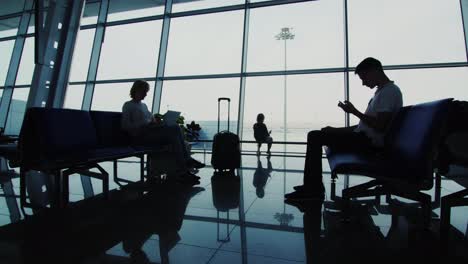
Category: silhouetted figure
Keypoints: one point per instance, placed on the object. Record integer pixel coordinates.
(193, 131)
(261, 176)
(261, 134)
(312, 222)
(145, 130)
(366, 136)
(165, 219)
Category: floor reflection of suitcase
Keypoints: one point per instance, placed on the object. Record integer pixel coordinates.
(226, 196)
(226, 145)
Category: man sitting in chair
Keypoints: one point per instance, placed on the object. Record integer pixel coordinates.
(367, 136)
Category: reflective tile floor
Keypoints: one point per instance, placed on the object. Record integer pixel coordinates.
(225, 219)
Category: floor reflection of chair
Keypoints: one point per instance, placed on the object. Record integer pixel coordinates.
(226, 196)
(6, 175)
(162, 215)
(456, 170)
(75, 234)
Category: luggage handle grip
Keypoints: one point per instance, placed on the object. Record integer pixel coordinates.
(219, 110)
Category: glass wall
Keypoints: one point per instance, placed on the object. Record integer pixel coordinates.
(14, 50)
(287, 59)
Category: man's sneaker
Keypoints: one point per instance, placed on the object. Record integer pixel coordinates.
(193, 163)
(299, 187)
(305, 206)
(302, 187)
(305, 195)
(192, 176)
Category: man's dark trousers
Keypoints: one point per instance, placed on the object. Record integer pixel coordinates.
(337, 140)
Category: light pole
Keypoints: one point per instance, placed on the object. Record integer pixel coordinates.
(285, 34)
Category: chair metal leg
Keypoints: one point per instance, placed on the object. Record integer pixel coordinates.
(57, 200)
(65, 189)
(22, 187)
(333, 186)
(444, 220)
(447, 202)
(115, 171)
(437, 189)
(142, 168)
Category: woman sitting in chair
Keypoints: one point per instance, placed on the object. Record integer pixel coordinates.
(146, 130)
(261, 134)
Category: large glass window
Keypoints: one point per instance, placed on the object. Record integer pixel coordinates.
(82, 54)
(198, 101)
(90, 13)
(318, 36)
(74, 97)
(16, 111)
(184, 5)
(26, 68)
(32, 25)
(205, 44)
(6, 49)
(311, 104)
(11, 7)
(417, 86)
(406, 32)
(9, 27)
(130, 51)
(112, 96)
(124, 9)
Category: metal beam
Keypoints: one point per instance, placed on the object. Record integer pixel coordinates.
(464, 14)
(245, 42)
(55, 50)
(95, 54)
(162, 57)
(14, 64)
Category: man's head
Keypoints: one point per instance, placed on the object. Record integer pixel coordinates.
(370, 71)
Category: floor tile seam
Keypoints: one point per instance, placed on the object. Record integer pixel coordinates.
(260, 255)
(221, 245)
(197, 246)
(217, 250)
(250, 206)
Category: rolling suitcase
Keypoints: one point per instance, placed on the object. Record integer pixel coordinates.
(226, 146)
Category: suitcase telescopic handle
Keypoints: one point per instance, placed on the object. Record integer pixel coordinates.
(219, 110)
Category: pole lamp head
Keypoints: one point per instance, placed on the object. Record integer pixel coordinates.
(285, 34)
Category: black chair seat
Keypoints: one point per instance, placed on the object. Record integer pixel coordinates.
(113, 153)
(359, 163)
(9, 151)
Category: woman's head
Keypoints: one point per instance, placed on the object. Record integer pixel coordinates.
(260, 118)
(139, 90)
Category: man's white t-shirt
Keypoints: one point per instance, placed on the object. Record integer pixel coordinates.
(135, 115)
(388, 98)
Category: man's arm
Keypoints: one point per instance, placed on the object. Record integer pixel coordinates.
(378, 122)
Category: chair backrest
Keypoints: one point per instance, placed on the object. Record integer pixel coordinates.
(414, 136)
(108, 129)
(50, 133)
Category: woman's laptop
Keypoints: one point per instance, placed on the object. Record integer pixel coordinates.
(170, 117)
